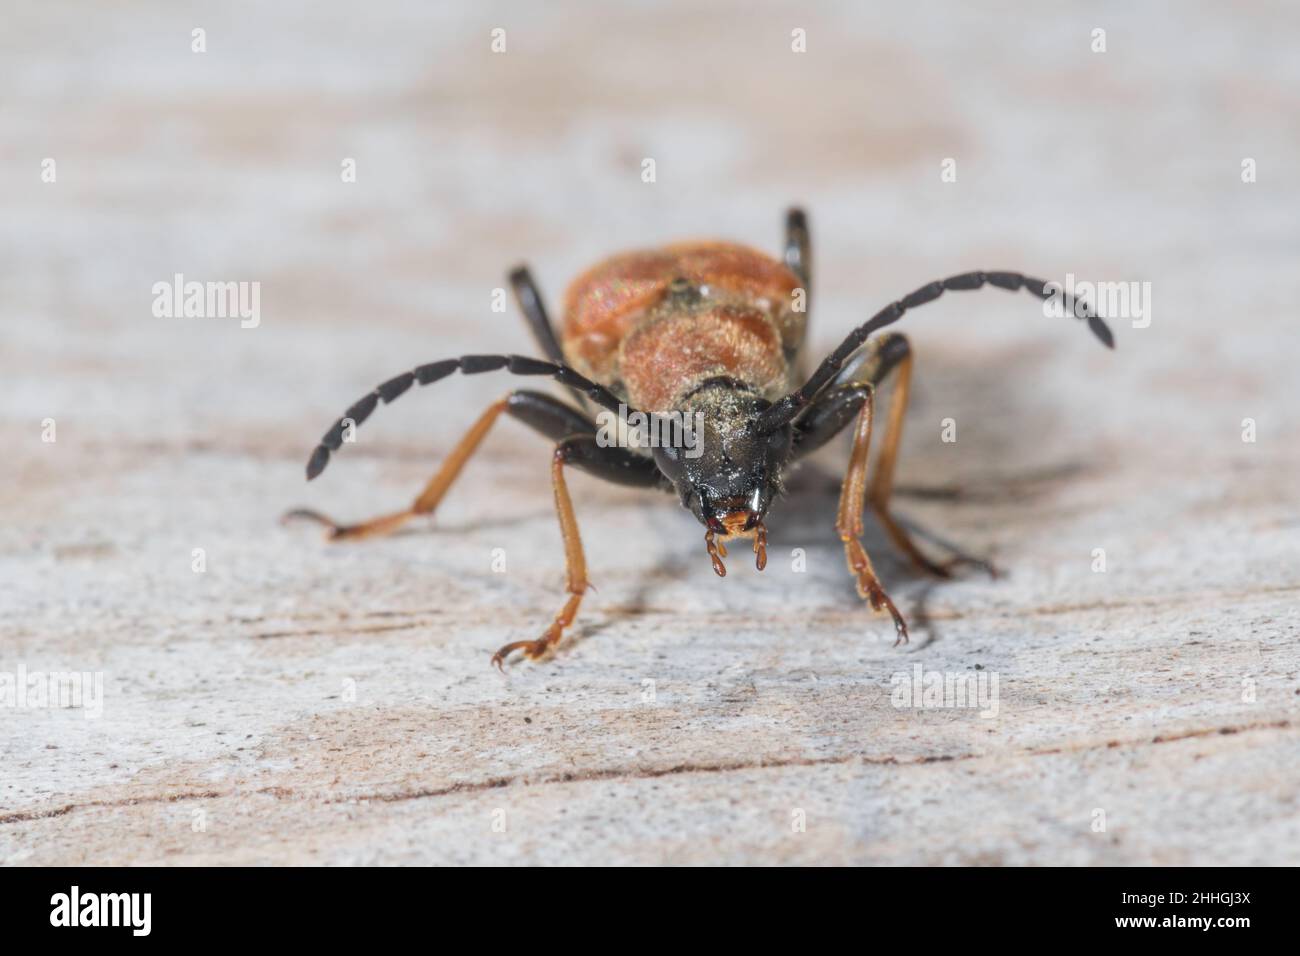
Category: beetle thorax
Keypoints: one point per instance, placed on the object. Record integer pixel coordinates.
(694, 336)
(653, 324)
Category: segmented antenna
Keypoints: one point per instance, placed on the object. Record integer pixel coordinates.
(395, 387)
(785, 409)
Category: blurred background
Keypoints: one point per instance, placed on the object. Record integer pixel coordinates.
(1115, 156)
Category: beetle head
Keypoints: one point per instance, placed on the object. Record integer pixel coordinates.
(730, 474)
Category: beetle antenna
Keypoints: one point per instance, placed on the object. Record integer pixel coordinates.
(395, 387)
(784, 410)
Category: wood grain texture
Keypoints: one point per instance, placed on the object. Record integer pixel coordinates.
(300, 702)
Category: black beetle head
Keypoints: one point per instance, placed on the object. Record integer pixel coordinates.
(726, 472)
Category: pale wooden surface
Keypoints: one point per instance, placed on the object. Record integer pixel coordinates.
(1120, 691)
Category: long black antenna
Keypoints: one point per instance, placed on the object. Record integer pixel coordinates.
(395, 387)
(785, 409)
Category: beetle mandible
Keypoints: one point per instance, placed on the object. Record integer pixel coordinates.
(708, 332)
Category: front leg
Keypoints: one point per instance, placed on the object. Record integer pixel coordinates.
(611, 463)
(848, 519)
(833, 411)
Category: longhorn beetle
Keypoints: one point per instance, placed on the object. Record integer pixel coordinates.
(700, 328)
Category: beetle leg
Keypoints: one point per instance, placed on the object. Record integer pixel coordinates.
(575, 567)
(428, 499)
(798, 247)
(848, 519)
(833, 412)
(784, 410)
(547, 415)
(611, 463)
(533, 307)
(882, 482)
(575, 561)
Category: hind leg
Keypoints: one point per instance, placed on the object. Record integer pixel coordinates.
(533, 307)
(798, 247)
(539, 411)
(530, 302)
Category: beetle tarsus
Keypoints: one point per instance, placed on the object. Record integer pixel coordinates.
(343, 532)
(869, 587)
(535, 650)
(532, 650)
(331, 527)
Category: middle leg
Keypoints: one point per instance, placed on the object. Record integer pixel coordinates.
(538, 410)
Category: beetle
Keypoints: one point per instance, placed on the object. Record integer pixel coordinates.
(710, 332)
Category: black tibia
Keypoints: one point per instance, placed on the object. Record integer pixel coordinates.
(798, 248)
(837, 406)
(612, 463)
(530, 303)
(547, 414)
(787, 408)
(397, 386)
